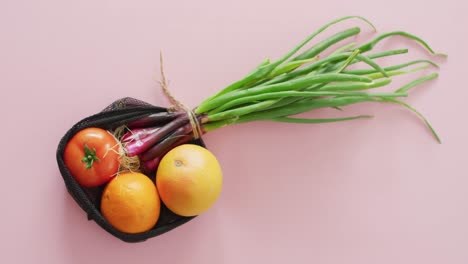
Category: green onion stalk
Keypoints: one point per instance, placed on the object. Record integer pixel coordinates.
(299, 82)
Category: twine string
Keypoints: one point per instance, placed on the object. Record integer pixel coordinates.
(179, 106)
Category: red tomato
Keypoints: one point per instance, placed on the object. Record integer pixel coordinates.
(92, 157)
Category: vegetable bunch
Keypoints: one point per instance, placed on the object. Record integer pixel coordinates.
(277, 90)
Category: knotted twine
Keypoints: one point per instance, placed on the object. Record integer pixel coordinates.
(133, 163)
(177, 105)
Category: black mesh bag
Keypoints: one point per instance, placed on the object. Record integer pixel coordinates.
(116, 114)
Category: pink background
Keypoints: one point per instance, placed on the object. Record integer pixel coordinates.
(368, 191)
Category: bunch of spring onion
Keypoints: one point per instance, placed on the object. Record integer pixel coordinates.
(276, 91)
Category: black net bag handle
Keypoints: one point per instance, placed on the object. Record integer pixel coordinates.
(114, 115)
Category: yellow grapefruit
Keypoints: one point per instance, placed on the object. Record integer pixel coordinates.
(189, 180)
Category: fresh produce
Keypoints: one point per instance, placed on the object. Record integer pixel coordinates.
(130, 203)
(92, 156)
(189, 179)
(322, 76)
(171, 177)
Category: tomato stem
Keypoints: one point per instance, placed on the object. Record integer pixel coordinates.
(89, 157)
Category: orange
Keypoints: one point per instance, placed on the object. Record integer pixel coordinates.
(189, 180)
(130, 203)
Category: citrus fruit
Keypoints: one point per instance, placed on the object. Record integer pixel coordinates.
(130, 203)
(189, 180)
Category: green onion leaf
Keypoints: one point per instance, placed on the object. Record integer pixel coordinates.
(317, 120)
